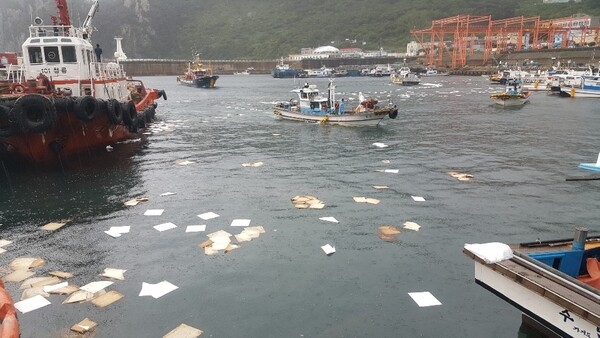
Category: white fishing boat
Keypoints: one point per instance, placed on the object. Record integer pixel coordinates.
(536, 81)
(321, 72)
(555, 282)
(248, 71)
(590, 87)
(403, 71)
(381, 71)
(433, 72)
(408, 79)
(313, 107)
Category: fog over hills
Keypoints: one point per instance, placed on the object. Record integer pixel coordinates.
(258, 29)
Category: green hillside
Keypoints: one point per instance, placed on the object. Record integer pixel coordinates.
(247, 29)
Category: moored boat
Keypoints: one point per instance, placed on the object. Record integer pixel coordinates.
(536, 81)
(197, 75)
(590, 87)
(248, 71)
(410, 79)
(554, 282)
(433, 72)
(511, 96)
(313, 107)
(507, 76)
(62, 100)
(321, 72)
(407, 79)
(283, 70)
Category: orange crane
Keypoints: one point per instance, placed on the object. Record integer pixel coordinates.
(456, 37)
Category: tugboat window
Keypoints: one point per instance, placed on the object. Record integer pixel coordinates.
(69, 54)
(51, 54)
(35, 54)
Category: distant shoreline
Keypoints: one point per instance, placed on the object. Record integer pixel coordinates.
(543, 59)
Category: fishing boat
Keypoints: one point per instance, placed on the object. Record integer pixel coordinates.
(198, 76)
(512, 96)
(283, 70)
(554, 282)
(539, 81)
(321, 72)
(408, 79)
(313, 107)
(248, 71)
(590, 87)
(433, 72)
(61, 100)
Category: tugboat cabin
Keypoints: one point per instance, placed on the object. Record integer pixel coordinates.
(60, 57)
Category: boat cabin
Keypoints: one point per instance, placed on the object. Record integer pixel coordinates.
(311, 101)
(64, 56)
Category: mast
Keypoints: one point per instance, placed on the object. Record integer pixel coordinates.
(63, 14)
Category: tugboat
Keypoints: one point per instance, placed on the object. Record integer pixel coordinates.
(198, 76)
(61, 100)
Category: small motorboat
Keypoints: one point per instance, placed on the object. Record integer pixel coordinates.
(313, 107)
(512, 96)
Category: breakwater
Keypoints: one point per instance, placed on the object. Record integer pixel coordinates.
(543, 59)
(152, 67)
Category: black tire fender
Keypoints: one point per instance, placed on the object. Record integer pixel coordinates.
(34, 113)
(114, 111)
(86, 108)
(130, 114)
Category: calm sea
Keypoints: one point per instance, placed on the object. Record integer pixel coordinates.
(282, 284)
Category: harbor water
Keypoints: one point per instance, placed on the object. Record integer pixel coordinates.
(282, 284)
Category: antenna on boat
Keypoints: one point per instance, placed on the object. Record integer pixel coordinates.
(331, 91)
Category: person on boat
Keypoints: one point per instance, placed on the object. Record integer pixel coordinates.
(98, 52)
(342, 107)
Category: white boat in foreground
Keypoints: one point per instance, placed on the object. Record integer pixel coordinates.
(556, 282)
(312, 107)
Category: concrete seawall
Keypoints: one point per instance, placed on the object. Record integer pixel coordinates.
(545, 58)
(155, 67)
